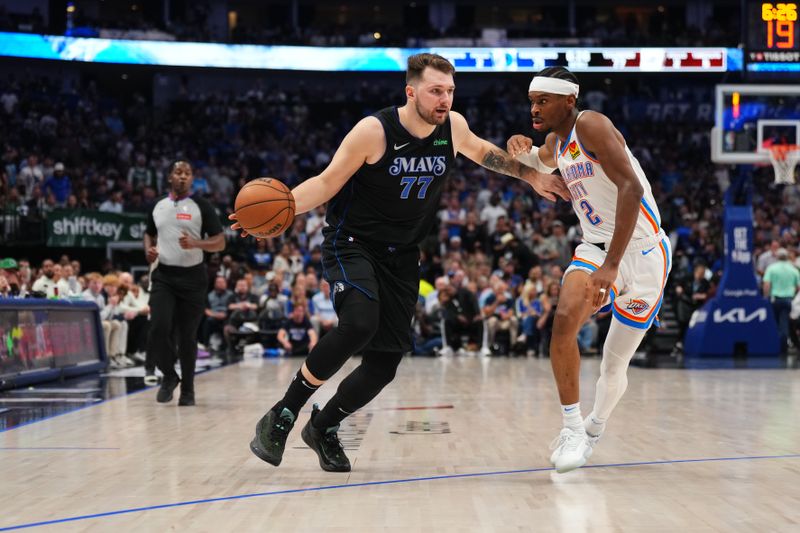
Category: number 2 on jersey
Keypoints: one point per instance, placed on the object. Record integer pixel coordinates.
(588, 210)
(408, 182)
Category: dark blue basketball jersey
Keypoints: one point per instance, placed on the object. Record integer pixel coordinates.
(394, 201)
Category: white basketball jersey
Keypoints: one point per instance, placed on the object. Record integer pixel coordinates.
(594, 196)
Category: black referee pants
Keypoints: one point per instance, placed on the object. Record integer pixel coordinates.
(177, 303)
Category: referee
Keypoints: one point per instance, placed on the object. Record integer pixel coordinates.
(179, 229)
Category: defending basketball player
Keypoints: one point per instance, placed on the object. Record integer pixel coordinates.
(624, 258)
(384, 184)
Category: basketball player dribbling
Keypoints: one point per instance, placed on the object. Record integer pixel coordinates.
(384, 184)
(623, 261)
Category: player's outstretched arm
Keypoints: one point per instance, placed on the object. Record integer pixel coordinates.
(365, 141)
(490, 156)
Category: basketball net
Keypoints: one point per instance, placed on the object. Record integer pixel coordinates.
(784, 159)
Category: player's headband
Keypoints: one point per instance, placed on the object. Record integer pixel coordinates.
(553, 86)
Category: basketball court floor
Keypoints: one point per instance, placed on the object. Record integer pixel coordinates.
(451, 445)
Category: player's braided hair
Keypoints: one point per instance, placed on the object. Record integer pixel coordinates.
(559, 73)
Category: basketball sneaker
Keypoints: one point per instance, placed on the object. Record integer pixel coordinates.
(326, 443)
(186, 399)
(572, 450)
(271, 433)
(556, 445)
(167, 387)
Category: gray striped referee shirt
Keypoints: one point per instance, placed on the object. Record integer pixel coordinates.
(170, 217)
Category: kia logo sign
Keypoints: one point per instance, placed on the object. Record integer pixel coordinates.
(738, 315)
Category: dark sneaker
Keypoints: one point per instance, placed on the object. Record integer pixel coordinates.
(325, 442)
(187, 398)
(167, 387)
(271, 433)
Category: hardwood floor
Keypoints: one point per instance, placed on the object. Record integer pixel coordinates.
(451, 445)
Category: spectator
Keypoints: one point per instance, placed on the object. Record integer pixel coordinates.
(135, 307)
(139, 175)
(216, 313)
(113, 204)
(297, 335)
(499, 308)
(30, 176)
(432, 299)
(46, 283)
(781, 283)
(5, 287)
(429, 340)
(324, 317)
(68, 285)
(13, 286)
(274, 305)
(549, 303)
(59, 185)
(768, 257)
(528, 307)
(492, 212)
(114, 315)
(469, 320)
(242, 307)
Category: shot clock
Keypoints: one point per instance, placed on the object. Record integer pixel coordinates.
(773, 36)
(780, 21)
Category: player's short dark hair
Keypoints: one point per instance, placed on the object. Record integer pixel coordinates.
(560, 73)
(418, 62)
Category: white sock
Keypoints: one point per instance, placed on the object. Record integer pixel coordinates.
(572, 416)
(594, 426)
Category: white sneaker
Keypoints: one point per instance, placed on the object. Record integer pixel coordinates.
(446, 352)
(574, 451)
(556, 445)
(485, 352)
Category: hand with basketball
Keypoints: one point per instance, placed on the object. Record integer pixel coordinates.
(264, 208)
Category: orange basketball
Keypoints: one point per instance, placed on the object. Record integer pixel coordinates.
(265, 207)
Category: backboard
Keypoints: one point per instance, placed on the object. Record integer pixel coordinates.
(751, 118)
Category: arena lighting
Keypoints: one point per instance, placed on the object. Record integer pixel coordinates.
(310, 58)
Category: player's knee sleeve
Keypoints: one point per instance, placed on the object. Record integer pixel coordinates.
(358, 322)
(382, 366)
(360, 319)
(377, 369)
(621, 343)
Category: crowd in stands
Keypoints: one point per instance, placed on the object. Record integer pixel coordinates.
(633, 25)
(490, 270)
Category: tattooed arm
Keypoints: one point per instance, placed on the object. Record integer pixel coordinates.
(490, 156)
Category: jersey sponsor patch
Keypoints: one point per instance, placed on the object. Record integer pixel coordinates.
(637, 306)
(574, 151)
(184, 216)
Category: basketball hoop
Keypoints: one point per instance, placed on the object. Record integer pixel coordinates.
(784, 159)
